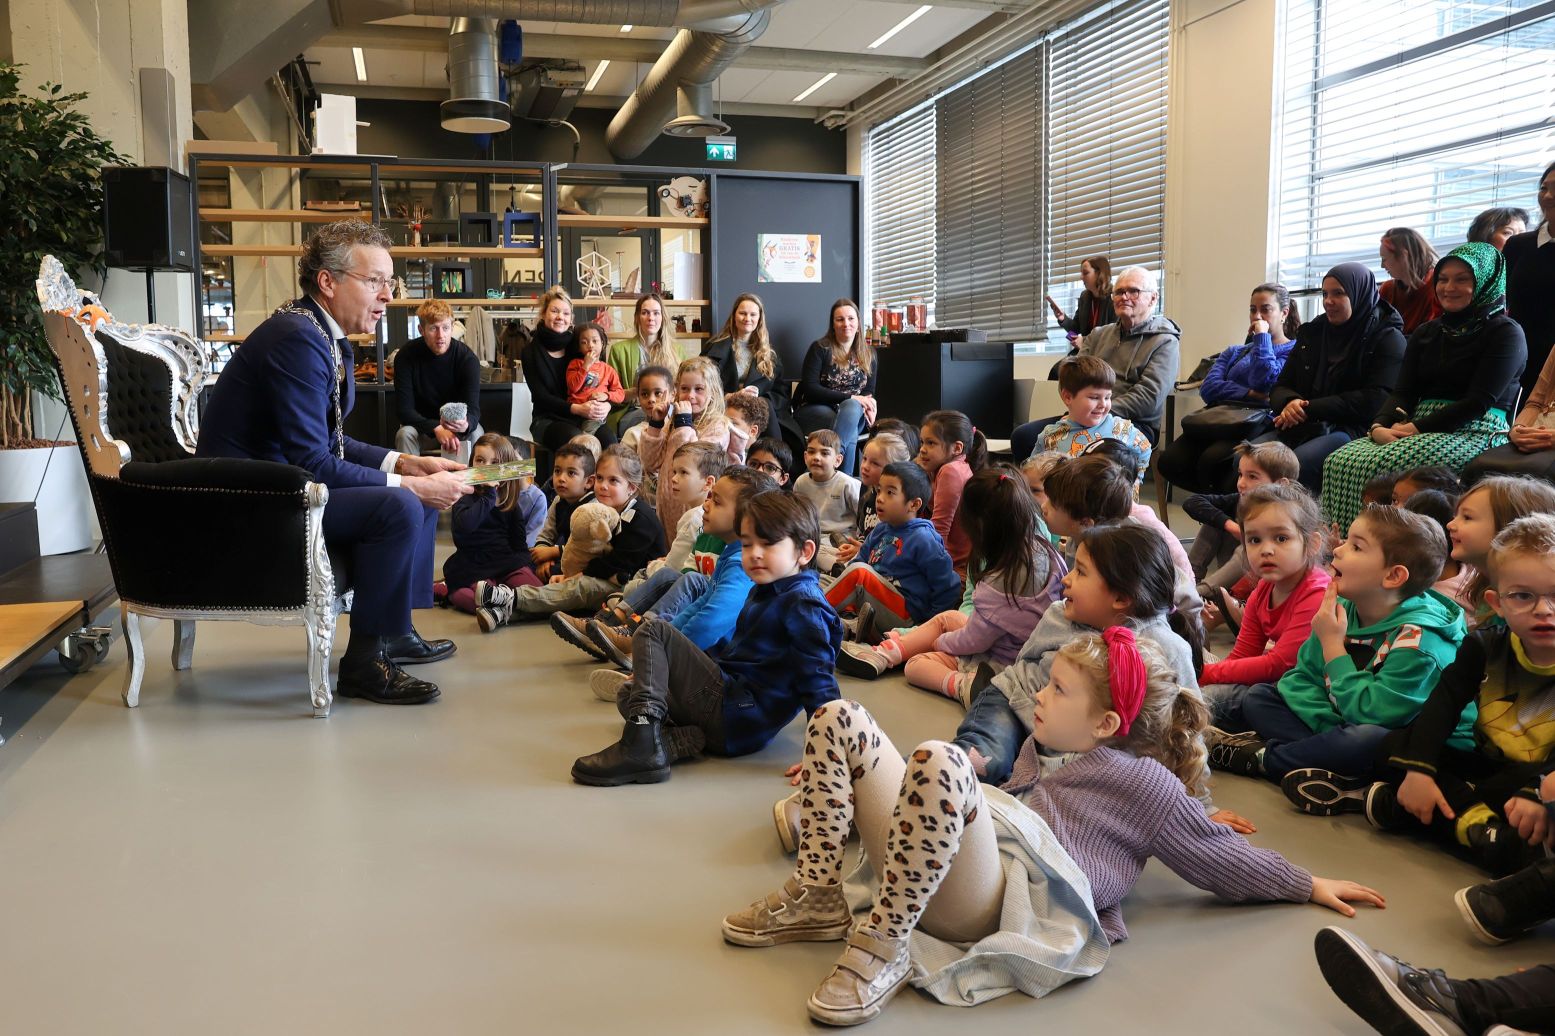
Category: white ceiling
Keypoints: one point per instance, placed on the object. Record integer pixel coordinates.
(821, 25)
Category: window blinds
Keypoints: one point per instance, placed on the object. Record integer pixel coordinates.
(899, 170)
(1107, 150)
(1403, 113)
(993, 191)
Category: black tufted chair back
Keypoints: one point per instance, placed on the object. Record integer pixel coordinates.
(139, 408)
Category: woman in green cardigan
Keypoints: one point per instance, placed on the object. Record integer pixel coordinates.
(653, 345)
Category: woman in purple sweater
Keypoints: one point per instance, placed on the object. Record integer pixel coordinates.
(1104, 784)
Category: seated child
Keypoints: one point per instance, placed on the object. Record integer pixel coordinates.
(834, 493)
(908, 433)
(973, 891)
(638, 539)
(590, 443)
(1216, 557)
(1467, 770)
(703, 606)
(572, 478)
(696, 414)
(1380, 640)
(1491, 505)
(735, 697)
(884, 448)
(697, 465)
(747, 415)
(589, 377)
(655, 389)
(1431, 476)
(772, 458)
(1098, 489)
(1018, 574)
(950, 451)
(1122, 576)
(490, 531)
(1285, 535)
(903, 574)
(1379, 488)
(1035, 469)
(1085, 385)
(1456, 576)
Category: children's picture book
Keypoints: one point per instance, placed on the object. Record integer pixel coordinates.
(489, 474)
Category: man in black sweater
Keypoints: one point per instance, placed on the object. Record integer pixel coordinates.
(428, 372)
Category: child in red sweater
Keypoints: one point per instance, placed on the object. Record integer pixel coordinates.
(951, 451)
(1283, 532)
(589, 378)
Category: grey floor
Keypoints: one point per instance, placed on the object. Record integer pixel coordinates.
(217, 861)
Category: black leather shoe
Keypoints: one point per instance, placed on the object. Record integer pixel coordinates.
(412, 650)
(638, 758)
(380, 680)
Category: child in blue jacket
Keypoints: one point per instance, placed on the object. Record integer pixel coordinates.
(735, 697)
(903, 569)
(702, 607)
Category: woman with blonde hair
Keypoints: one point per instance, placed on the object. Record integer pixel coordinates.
(748, 363)
(554, 345)
(651, 345)
(837, 384)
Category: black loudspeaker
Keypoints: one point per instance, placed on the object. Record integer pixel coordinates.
(149, 218)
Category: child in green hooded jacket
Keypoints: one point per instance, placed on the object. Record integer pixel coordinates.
(1379, 643)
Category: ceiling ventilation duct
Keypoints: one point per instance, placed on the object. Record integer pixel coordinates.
(694, 113)
(474, 102)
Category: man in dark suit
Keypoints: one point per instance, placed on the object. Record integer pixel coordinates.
(284, 397)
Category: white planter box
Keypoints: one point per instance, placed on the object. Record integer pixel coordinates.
(64, 501)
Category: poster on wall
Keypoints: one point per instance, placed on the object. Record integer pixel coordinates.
(788, 258)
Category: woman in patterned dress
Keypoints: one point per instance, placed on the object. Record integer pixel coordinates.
(1458, 383)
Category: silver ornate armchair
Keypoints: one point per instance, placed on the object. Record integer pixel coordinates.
(188, 538)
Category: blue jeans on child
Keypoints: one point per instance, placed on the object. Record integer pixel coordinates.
(1350, 748)
(993, 728)
(666, 592)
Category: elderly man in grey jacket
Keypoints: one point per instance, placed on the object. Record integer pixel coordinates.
(1143, 349)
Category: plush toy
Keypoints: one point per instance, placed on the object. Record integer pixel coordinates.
(593, 524)
(685, 196)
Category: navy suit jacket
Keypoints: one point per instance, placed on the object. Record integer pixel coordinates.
(272, 402)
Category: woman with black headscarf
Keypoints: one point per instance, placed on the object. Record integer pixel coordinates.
(1456, 386)
(1343, 367)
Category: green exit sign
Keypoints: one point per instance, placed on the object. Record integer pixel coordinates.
(720, 149)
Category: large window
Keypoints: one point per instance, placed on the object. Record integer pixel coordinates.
(1407, 113)
(985, 198)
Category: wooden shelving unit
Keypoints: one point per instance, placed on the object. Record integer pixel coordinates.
(631, 222)
(398, 251)
(281, 215)
(631, 303)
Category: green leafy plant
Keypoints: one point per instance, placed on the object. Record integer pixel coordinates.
(51, 179)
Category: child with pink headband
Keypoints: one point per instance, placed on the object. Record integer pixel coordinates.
(1075, 824)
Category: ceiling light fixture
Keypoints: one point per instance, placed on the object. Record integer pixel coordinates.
(599, 70)
(361, 64)
(899, 26)
(628, 28)
(828, 77)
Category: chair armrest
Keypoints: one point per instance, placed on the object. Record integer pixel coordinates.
(223, 473)
(209, 533)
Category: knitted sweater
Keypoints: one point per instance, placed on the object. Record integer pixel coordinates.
(657, 445)
(999, 624)
(1271, 635)
(1252, 367)
(1113, 811)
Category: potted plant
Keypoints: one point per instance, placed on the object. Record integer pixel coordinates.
(51, 178)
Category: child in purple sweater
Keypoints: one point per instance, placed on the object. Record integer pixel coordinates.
(1077, 822)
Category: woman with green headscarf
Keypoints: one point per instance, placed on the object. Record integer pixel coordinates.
(1458, 382)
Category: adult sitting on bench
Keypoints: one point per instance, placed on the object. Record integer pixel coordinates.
(429, 372)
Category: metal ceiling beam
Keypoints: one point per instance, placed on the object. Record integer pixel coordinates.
(618, 48)
(606, 101)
